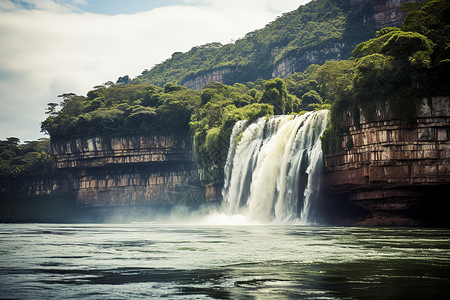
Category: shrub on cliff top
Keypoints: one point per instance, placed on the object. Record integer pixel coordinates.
(404, 44)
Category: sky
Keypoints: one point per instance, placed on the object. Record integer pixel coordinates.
(51, 47)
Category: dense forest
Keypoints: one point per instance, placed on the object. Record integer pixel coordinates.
(31, 158)
(397, 66)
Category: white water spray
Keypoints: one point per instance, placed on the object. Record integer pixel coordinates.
(273, 168)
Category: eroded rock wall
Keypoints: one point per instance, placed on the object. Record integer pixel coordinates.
(199, 81)
(135, 171)
(132, 185)
(213, 191)
(375, 14)
(390, 169)
(97, 152)
(382, 13)
(298, 63)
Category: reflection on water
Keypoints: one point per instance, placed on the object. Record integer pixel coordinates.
(150, 260)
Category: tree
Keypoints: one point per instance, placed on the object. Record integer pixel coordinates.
(123, 80)
(51, 109)
(275, 93)
(13, 140)
(385, 30)
(311, 97)
(66, 98)
(405, 44)
(172, 87)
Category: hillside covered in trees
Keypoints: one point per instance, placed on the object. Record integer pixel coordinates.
(398, 65)
(317, 25)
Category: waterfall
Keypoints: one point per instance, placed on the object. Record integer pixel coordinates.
(272, 173)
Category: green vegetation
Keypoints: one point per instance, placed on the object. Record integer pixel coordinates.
(212, 124)
(123, 110)
(23, 160)
(398, 67)
(314, 26)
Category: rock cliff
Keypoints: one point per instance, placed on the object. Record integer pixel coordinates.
(127, 171)
(298, 63)
(375, 14)
(395, 173)
(198, 81)
(382, 13)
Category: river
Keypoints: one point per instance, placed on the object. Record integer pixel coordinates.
(206, 261)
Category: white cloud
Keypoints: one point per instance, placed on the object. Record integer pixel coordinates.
(7, 5)
(274, 7)
(53, 49)
(49, 5)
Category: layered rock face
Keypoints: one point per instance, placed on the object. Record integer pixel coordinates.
(96, 152)
(384, 13)
(374, 13)
(213, 191)
(127, 171)
(396, 173)
(299, 63)
(198, 82)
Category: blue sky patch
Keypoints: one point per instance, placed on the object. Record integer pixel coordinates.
(114, 7)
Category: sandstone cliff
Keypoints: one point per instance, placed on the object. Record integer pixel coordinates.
(198, 81)
(127, 171)
(396, 173)
(298, 63)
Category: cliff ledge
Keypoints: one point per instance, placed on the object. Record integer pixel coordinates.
(394, 173)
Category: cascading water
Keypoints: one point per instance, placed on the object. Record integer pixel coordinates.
(272, 173)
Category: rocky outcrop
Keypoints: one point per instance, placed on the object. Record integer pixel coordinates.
(396, 173)
(131, 171)
(382, 13)
(198, 81)
(213, 191)
(292, 64)
(98, 152)
(374, 14)
(132, 185)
